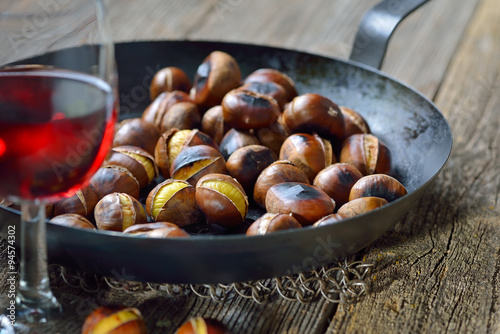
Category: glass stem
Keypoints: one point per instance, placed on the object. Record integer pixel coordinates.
(34, 287)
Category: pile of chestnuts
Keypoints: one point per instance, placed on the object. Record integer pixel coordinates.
(116, 319)
(205, 153)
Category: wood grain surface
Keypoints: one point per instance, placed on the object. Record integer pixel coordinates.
(436, 271)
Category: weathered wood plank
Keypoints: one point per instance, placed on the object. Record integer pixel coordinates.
(324, 27)
(438, 270)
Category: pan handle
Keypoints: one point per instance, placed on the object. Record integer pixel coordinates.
(376, 28)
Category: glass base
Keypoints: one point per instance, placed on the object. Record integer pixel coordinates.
(29, 315)
(38, 311)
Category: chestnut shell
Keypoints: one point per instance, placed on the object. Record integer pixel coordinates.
(306, 203)
(361, 205)
(246, 164)
(190, 155)
(272, 222)
(181, 209)
(217, 207)
(279, 171)
(337, 180)
(378, 185)
(72, 220)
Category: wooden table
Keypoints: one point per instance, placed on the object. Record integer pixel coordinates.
(437, 270)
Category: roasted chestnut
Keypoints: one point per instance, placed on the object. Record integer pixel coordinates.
(337, 180)
(270, 88)
(235, 139)
(114, 320)
(137, 132)
(361, 205)
(272, 222)
(222, 200)
(310, 153)
(217, 75)
(378, 185)
(330, 219)
(172, 142)
(306, 203)
(174, 201)
(277, 172)
(169, 79)
(269, 74)
(354, 122)
(167, 232)
(110, 179)
(201, 325)
(72, 220)
(155, 112)
(137, 161)
(314, 113)
(246, 164)
(118, 211)
(82, 202)
(274, 136)
(212, 123)
(182, 115)
(195, 161)
(143, 228)
(367, 153)
(244, 109)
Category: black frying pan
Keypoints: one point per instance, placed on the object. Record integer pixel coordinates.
(416, 132)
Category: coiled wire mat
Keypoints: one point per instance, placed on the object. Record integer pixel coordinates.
(343, 282)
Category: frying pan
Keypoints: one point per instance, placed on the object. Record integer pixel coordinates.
(416, 132)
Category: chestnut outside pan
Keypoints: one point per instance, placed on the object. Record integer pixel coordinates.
(413, 128)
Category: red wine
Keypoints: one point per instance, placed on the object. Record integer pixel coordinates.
(56, 127)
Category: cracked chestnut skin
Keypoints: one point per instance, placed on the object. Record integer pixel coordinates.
(156, 110)
(217, 207)
(201, 325)
(180, 209)
(136, 325)
(306, 203)
(169, 79)
(367, 153)
(188, 157)
(217, 74)
(109, 212)
(309, 152)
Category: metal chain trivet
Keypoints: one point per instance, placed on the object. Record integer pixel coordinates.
(344, 282)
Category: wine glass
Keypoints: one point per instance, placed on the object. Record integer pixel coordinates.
(57, 114)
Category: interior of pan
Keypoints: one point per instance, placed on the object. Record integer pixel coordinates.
(416, 132)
